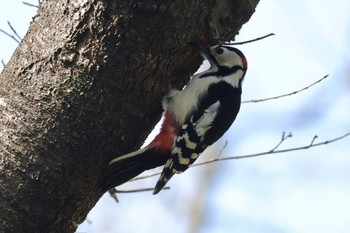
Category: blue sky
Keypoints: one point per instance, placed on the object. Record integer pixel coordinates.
(300, 192)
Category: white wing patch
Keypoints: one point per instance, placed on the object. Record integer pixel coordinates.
(204, 123)
(184, 102)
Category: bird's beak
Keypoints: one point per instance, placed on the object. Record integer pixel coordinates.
(203, 50)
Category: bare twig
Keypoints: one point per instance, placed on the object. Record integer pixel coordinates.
(9, 35)
(14, 31)
(284, 137)
(312, 144)
(285, 95)
(146, 176)
(223, 148)
(32, 5)
(3, 62)
(250, 41)
(139, 190)
(313, 140)
(113, 192)
(272, 151)
(158, 173)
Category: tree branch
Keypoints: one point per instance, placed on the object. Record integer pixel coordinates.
(14, 31)
(284, 137)
(272, 151)
(32, 5)
(286, 95)
(250, 41)
(139, 190)
(275, 151)
(11, 36)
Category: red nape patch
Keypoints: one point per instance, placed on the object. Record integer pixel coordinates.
(164, 141)
(245, 63)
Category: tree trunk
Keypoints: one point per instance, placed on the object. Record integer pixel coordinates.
(85, 85)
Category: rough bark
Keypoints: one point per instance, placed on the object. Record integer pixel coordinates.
(85, 85)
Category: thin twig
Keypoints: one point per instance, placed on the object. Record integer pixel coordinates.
(281, 141)
(146, 176)
(30, 4)
(139, 190)
(313, 140)
(14, 31)
(158, 173)
(275, 151)
(223, 148)
(250, 41)
(9, 35)
(3, 62)
(285, 95)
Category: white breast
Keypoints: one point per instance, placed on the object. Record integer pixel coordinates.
(185, 101)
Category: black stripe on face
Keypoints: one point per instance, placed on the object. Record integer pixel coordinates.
(223, 71)
(212, 59)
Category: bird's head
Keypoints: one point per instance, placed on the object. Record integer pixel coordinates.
(222, 56)
(225, 61)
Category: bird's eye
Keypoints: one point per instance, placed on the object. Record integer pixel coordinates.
(219, 51)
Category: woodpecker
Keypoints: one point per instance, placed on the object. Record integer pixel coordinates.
(194, 118)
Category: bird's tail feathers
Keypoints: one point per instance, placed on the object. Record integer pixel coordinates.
(166, 175)
(126, 167)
